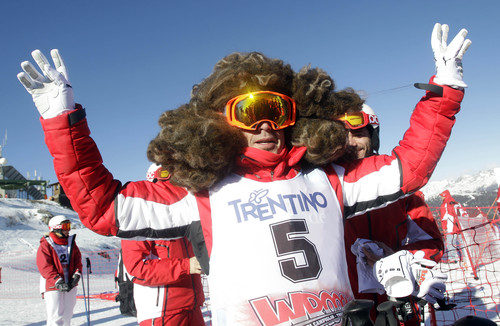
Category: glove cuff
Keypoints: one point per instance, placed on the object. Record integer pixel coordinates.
(77, 115)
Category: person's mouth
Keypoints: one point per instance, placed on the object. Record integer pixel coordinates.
(267, 143)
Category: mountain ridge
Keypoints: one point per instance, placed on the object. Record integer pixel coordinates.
(478, 189)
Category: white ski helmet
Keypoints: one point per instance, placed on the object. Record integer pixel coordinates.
(151, 174)
(56, 222)
(373, 127)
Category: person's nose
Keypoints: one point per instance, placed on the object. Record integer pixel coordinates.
(265, 126)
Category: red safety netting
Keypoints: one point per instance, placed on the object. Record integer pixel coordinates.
(472, 263)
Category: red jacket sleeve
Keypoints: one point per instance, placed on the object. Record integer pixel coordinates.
(419, 212)
(78, 165)
(425, 140)
(102, 203)
(372, 182)
(45, 262)
(152, 271)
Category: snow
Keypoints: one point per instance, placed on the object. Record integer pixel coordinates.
(21, 229)
(466, 185)
(32, 312)
(473, 296)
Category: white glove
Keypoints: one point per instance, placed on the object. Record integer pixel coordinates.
(395, 274)
(431, 284)
(448, 57)
(52, 92)
(403, 274)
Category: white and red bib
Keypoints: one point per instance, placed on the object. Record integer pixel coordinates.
(278, 252)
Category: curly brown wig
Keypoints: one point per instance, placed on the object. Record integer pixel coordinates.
(317, 105)
(197, 145)
(197, 148)
(241, 73)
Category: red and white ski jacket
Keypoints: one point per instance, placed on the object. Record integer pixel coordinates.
(498, 199)
(160, 272)
(271, 238)
(450, 210)
(407, 224)
(52, 261)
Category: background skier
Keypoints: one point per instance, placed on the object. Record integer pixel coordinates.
(59, 262)
(407, 224)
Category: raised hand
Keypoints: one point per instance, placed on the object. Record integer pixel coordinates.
(51, 91)
(448, 57)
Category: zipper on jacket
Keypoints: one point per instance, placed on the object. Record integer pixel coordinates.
(166, 291)
(164, 305)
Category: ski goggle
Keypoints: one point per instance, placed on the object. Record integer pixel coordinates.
(358, 120)
(249, 110)
(65, 226)
(161, 174)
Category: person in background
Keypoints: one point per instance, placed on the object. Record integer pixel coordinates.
(406, 224)
(498, 200)
(450, 210)
(59, 262)
(125, 289)
(166, 277)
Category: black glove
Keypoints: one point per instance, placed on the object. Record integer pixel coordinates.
(61, 285)
(74, 280)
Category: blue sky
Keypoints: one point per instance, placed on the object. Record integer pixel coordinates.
(129, 61)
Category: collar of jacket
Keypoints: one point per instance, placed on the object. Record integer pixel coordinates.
(59, 241)
(264, 166)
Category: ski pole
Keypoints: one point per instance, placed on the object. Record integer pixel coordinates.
(89, 271)
(85, 301)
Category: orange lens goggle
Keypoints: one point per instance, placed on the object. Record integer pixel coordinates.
(249, 110)
(65, 226)
(358, 120)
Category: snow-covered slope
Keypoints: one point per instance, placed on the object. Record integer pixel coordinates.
(21, 227)
(23, 223)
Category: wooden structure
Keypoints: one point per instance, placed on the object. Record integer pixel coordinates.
(59, 196)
